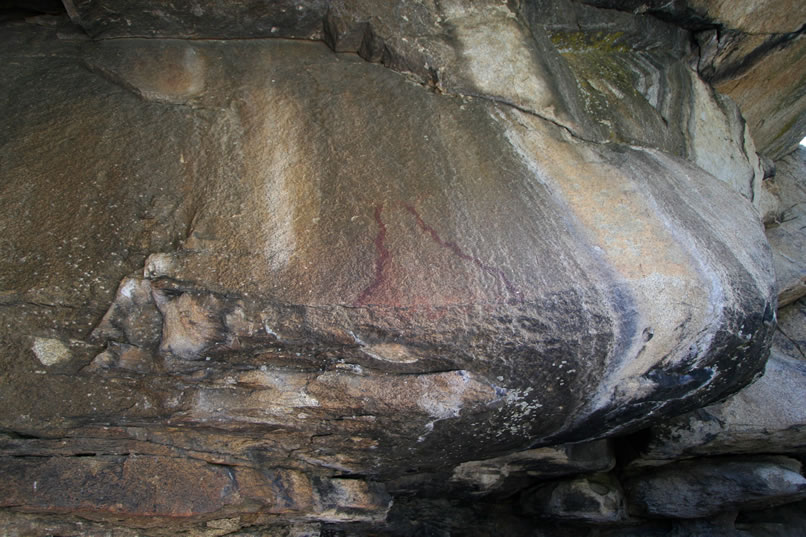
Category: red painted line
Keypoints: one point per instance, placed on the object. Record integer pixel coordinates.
(457, 251)
(381, 259)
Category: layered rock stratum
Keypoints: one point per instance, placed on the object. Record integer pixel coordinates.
(409, 268)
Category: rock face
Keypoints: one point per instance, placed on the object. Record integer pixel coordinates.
(786, 234)
(708, 487)
(419, 251)
(766, 417)
(753, 51)
(510, 473)
(202, 19)
(154, 488)
(595, 499)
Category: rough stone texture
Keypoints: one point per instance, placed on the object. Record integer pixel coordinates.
(762, 74)
(503, 475)
(595, 499)
(419, 284)
(155, 489)
(751, 16)
(753, 51)
(633, 77)
(199, 19)
(259, 285)
(768, 416)
(787, 234)
(791, 330)
(708, 487)
(602, 74)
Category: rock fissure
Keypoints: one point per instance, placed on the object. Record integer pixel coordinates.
(499, 101)
(793, 342)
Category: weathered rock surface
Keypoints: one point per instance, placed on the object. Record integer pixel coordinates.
(758, 73)
(321, 290)
(791, 330)
(155, 489)
(708, 487)
(603, 74)
(753, 51)
(634, 80)
(200, 19)
(787, 234)
(595, 499)
(510, 473)
(328, 273)
(767, 417)
(756, 17)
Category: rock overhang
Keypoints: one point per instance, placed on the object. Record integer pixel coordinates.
(331, 250)
(478, 236)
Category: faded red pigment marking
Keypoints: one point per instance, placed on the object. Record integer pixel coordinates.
(457, 251)
(381, 258)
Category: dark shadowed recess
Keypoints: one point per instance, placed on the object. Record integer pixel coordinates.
(21, 9)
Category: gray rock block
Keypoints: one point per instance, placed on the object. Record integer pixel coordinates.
(707, 487)
(787, 235)
(211, 19)
(766, 417)
(509, 473)
(596, 499)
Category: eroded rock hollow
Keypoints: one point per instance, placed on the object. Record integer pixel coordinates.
(350, 267)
